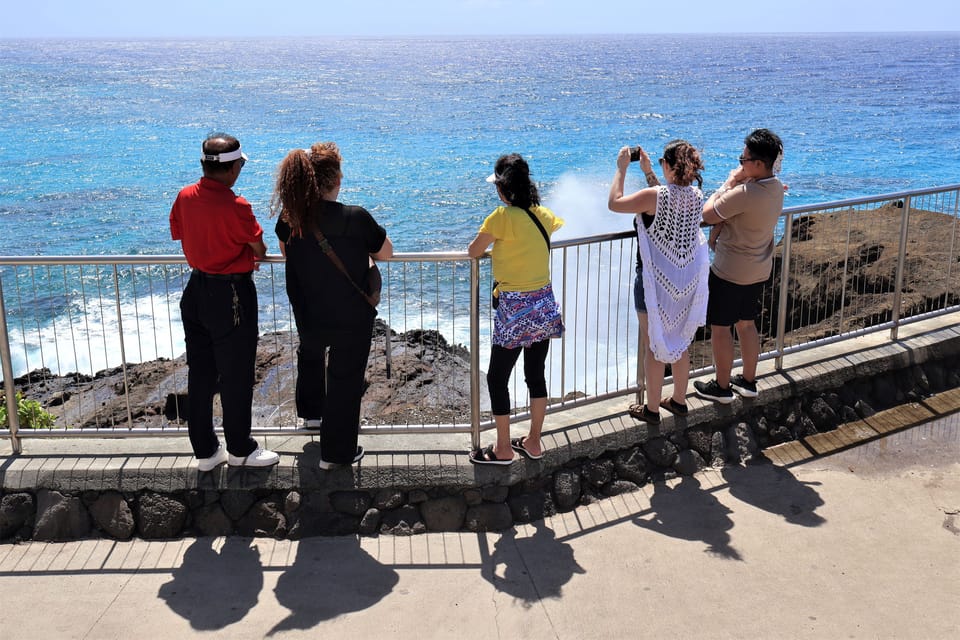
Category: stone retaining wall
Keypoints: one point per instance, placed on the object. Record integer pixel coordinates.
(52, 515)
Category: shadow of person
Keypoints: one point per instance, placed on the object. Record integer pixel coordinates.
(534, 567)
(330, 577)
(214, 590)
(687, 512)
(773, 488)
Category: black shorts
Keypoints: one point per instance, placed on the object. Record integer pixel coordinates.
(729, 303)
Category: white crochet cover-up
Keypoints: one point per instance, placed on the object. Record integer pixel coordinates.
(676, 267)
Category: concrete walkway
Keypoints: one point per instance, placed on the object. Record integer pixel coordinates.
(864, 543)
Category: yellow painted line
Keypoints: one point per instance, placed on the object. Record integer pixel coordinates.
(789, 453)
(900, 417)
(944, 403)
(860, 431)
(846, 435)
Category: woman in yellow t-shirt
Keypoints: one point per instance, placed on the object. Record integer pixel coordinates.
(527, 315)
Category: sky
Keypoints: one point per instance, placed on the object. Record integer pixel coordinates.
(253, 18)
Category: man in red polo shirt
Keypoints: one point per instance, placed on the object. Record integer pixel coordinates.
(221, 240)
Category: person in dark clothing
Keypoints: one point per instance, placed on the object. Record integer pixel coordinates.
(221, 240)
(334, 320)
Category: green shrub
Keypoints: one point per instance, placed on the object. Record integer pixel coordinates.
(30, 412)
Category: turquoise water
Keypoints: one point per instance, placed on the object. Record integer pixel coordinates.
(96, 137)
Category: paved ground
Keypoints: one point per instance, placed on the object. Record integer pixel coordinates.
(859, 544)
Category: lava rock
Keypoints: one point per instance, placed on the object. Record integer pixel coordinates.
(113, 515)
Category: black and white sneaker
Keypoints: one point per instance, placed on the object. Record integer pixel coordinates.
(744, 387)
(326, 466)
(713, 391)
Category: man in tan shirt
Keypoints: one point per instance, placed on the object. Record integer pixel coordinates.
(744, 213)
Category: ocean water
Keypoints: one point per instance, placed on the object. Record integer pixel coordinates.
(97, 136)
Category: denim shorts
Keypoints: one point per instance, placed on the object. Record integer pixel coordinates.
(639, 303)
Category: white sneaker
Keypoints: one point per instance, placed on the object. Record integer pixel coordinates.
(326, 466)
(258, 458)
(209, 464)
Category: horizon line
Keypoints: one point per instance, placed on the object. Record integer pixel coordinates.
(470, 35)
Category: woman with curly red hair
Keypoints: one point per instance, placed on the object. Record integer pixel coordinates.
(334, 319)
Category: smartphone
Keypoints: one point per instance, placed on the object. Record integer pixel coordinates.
(634, 154)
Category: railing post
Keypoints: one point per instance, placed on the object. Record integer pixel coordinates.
(641, 354)
(387, 350)
(13, 418)
(475, 352)
(123, 349)
(901, 260)
(784, 288)
(563, 340)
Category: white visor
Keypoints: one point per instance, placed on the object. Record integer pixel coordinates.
(492, 178)
(229, 156)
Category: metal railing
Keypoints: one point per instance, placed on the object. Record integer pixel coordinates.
(67, 319)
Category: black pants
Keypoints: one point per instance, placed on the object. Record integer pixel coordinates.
(330, 385)
(502, 361)
(220, 329)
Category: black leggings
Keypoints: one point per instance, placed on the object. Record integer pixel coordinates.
(502, 361)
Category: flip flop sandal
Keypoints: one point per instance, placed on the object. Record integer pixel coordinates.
(640, 412)
(673, 407)
(488, 457)
(517, 444)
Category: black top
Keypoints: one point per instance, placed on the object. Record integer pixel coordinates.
(321, 297)
(647, 221)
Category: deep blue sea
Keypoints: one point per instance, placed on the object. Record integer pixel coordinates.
(97, 136)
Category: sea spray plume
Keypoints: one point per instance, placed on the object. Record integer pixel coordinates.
(583, 204)
(600, 325)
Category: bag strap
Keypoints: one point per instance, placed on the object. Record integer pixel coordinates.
(543, 231)
(335, 259)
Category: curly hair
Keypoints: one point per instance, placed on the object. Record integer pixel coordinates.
(512, 177)
(302, 178)
(685, 162)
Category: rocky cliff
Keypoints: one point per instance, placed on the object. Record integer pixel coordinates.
(428, 381)
(842, 274)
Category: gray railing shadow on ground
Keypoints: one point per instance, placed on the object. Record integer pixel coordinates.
(688, 512)
(213, 590)
(534, 568)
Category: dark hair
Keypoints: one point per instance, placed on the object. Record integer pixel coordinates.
(764, 145)
(685, 162)
(217, 143)
(302, 177)
(513, 179)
